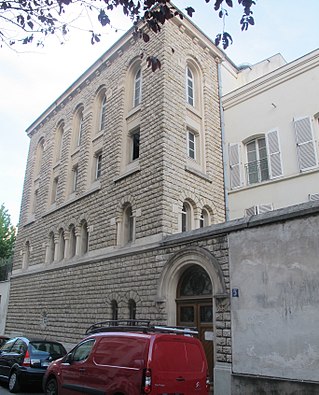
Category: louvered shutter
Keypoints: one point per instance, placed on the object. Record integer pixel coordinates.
(250, 211)
(305, 144)
(264, 208)
(234, 166)
(275, 166)
(313, 197)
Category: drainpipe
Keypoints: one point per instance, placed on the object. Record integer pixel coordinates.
(224, 148)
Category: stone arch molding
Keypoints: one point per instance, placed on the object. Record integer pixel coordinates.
(175, 267)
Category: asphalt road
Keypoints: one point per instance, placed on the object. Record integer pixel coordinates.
(4, 391)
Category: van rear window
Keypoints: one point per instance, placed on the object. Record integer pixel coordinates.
(122, 352)
(170, 356)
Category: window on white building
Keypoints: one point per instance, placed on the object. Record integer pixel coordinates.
(257, 161)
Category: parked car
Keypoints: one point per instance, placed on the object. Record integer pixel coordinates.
(131, 358)
(3, 339)
(23, 361)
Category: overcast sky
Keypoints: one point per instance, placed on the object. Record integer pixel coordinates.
(31, 80)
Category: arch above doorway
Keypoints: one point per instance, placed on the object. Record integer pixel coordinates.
(176, 266)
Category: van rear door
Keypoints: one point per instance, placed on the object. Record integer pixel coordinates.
(178, 366)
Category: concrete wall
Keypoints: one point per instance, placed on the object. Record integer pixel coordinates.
(275, 317)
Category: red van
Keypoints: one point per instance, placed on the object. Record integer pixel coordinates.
(131, 358)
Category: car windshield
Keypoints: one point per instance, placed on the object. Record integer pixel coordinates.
(55, 350)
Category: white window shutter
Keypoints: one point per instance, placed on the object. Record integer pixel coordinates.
(273, 148)
(234, 166)
(305, 144)
(313, 197)
(264, 208)
(250, 211)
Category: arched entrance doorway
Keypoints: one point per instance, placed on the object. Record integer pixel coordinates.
(194, 302)
(170, 299)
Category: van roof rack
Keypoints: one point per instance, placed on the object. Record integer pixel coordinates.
(144, 326)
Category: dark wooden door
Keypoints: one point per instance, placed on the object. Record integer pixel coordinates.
(199, 314)
(195, 308)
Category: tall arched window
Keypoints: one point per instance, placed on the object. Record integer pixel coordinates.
(128, 224)
(186, 217)
(137, 94)
(72, 242)
(102, 118)
(51, 248)
(38, 158)
(204, 218)
(80, 131)
(132, 309)
(78, 127)
(190, 87)
(58, 142)
(61, 245)
(84, 238)
(114, 309)
(26, 255)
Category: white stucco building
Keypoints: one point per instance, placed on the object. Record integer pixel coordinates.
(271, 134)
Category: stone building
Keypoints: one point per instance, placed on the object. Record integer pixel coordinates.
(121, 168)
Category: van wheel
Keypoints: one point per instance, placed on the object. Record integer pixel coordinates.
(51, 387)
(14, 385)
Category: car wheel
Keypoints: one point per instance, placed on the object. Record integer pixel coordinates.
(51, 387)
(14, 385)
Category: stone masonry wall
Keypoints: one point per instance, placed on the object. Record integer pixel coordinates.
(63, 302)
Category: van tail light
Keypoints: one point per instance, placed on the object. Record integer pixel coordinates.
(27, 359)
(147, 387)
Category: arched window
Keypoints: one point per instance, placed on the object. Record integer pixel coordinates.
(128, 224)
(257, 161)
(204, 218)
(137, 94)
(114, 309)
(190, 87)
(51, 248)
(26, 255)
(72, 242)
(78, 127)
(84, 238)
(132, 309)
(194, 282)
(75, 178)
(61, 245)
(135, 144)
(102, 117)
(58, 142)
(38, 158)
(186, 217)
(80, 131)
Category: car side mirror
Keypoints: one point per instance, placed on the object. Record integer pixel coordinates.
(68, 359)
